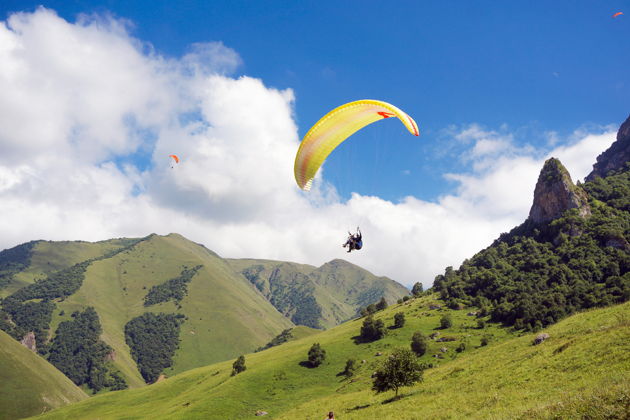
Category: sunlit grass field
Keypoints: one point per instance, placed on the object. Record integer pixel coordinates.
(508, 378)
(28, 384)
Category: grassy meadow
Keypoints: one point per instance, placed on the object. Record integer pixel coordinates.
(508, 378)
(29, 385)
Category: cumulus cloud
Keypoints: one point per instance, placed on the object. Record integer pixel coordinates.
(89, 115)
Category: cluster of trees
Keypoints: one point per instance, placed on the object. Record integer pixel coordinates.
(283, 337)
(59, 284)
(416, 291)
(401, 368)
(14, 260)
(174, 289)
(372, 308)
(538, 274)
(614, 190)
(20, 314)
(153, 339)
(18, 318)
(291, 294)
(306, 309)
(371, 329)
(78, 352)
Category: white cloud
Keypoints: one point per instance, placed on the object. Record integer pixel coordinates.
(81, 102)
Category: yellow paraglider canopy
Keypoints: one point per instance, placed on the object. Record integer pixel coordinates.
(336, 126)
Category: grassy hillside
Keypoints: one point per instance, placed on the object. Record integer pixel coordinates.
(319, 297)
(584, 365)
(225, 316)
(47, 257)
(28, 384)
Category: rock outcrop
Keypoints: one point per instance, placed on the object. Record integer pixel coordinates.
(555, 193)
(616, 156)
(29, 341)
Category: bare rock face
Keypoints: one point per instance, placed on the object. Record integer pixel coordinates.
(29, 342)
(555, 193)
(540, 338)
(616, 156)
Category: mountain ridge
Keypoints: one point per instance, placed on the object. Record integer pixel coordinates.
(319, 296)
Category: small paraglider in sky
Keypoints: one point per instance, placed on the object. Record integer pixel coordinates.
(174, 159)
(336, 126)
(617, 14)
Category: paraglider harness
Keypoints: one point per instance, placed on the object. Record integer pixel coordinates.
(354, 242)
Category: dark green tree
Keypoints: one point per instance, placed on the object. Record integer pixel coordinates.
(316, 355)
(399, 320)
(446, 321)
(368, 310)
(400, 369)
(417, 289)
(351, 367)
(382, 304)
(239, 365)
(419, 343)
(372, 330)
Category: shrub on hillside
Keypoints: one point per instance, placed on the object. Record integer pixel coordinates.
(372, 330)
(368, 310)
(419, 343)
(239, 365)
(316, 355)
(351, 367)
(446, 321)
(382, 304)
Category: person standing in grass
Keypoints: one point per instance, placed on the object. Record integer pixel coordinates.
(331, 416)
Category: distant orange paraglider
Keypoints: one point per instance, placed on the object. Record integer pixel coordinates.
(617, 14)
(175, 158)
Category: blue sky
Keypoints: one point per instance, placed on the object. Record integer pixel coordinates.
(97, 94)
(536, 66)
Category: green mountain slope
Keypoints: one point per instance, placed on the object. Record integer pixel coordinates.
(37, 259)
(225, 316)
(586, 354)
(28, 384)
(540, 272)
(318, 297)
(220, 314)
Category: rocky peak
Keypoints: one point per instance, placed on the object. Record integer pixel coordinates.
(616, 156)
(555, 193)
